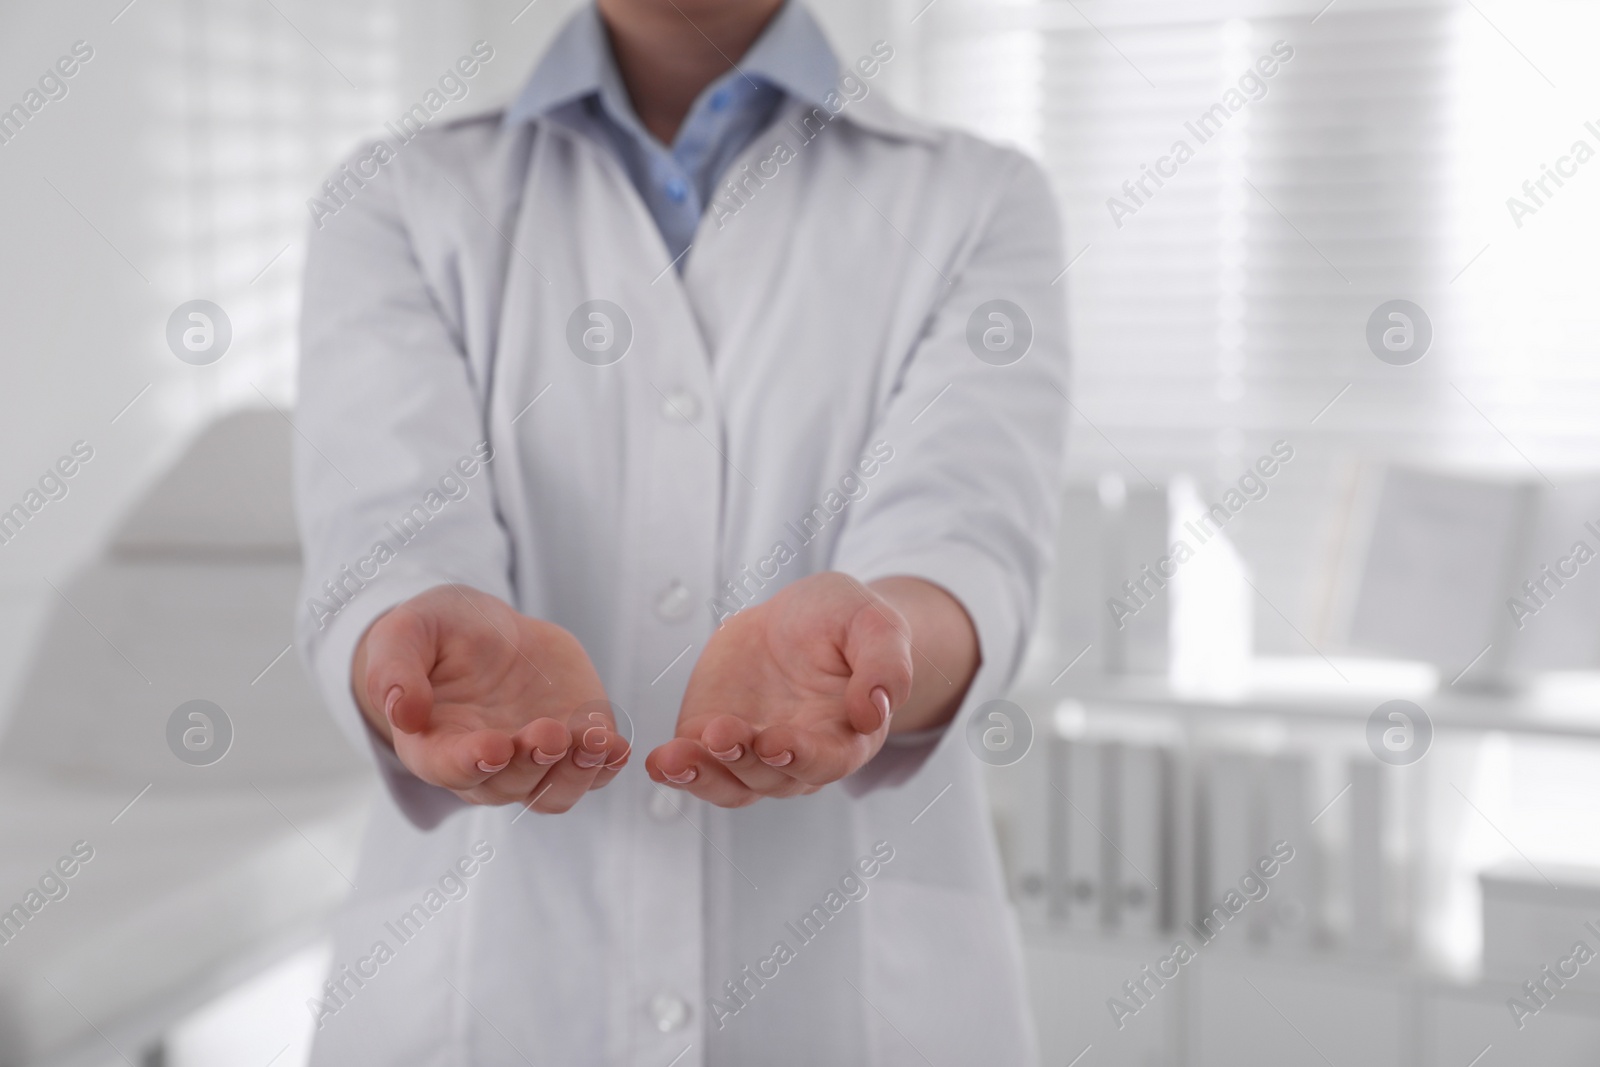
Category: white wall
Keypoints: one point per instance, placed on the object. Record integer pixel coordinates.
(176, 167)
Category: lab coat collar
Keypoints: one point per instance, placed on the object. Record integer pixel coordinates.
(792, 53)
(573, 66)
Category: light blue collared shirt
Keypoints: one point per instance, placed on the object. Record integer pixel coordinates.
(578, 82)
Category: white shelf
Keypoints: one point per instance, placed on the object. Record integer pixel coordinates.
(1301, 691)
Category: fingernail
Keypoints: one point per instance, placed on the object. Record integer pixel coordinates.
(729, 755)
(782, 759)
(588, 760)
(544, 759)
(620, 760)
(395, 693)
(880, 697)
(682, 779)
(487, 768)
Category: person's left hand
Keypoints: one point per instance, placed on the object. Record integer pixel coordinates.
(790, 694)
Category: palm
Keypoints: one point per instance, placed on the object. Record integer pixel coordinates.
(789, 695)
(487, 702)
(501, 674)
(777, 663)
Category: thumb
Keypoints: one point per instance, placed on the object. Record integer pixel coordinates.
(401, 649)
(878, 652)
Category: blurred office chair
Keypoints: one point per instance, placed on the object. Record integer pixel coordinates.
(201, 875)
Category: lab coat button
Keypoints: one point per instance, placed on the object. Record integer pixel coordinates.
(669, 1012)
(672, 603)
(661, 806)
(680, 404)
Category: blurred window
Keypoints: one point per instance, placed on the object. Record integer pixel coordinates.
(1221, 303)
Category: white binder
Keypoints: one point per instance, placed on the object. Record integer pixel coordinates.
(1293, 909)
(1234, 836)
(1085, 810)
(1141, 881)
(1369, 914)
(1035, 867)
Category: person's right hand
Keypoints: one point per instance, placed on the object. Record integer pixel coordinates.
(486, 702)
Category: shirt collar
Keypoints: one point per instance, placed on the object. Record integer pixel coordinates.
(791, 53)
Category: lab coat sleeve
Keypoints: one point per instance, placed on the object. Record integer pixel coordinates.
(388, 425)
(970, 497)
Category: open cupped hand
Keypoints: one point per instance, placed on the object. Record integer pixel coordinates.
(493, 705)
(790, 695)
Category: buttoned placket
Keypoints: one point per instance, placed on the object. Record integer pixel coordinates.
(673, 549)
(648, 853)
(686, 434)
(655, 864)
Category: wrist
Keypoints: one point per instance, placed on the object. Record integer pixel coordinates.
(945, 654)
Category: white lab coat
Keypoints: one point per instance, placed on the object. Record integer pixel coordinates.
(825, 321)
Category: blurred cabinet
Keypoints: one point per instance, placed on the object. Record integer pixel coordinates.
(1462, 1025)
(1070, 980)
(1360, 948)
(1240, 1009)
(1252, 1011)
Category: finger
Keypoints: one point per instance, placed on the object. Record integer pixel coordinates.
(813, 757)
(593, 720)
(674, 762)
(537, 747)
(878, 650)
(562, 787)
(617, 757)
(686, 765)
(568, 780)
(457, 761)
(401, 650)
(544, 741)
(731, 740)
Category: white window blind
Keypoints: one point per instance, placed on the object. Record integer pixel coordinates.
(252, 104)
(1228, 310)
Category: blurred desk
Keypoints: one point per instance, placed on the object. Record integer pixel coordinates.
(1411, 969)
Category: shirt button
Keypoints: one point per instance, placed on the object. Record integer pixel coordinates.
(661, 807)
(677, 190)
(669, 1012)
(680, 404)
(719, 99)
(672, 603)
